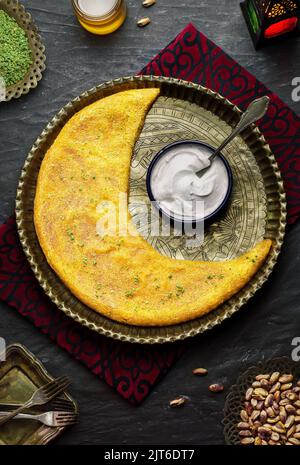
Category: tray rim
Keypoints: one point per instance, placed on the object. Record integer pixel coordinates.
(125, 335)
(43, 373)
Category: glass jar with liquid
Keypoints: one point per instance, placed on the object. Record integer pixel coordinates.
(100, 16)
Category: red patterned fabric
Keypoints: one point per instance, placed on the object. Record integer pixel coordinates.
(133, 370)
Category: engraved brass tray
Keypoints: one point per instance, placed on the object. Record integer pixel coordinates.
(257, 208)
(20, 375)
(34, 74)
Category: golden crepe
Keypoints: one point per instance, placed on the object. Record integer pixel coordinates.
(123, 278)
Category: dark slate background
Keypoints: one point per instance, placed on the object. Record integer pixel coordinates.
(77, 61)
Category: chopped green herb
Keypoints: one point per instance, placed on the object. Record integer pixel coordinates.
(71, 234)
(129, 294)
(84, 176)
(180, 290)
(136, 279)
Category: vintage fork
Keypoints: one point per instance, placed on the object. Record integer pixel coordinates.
(57, 404)
(52, 419)
(43, 395)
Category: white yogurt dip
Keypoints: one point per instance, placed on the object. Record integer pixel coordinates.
(177, 189)
(96, 7)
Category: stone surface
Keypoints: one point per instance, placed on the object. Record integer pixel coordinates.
(75, 62)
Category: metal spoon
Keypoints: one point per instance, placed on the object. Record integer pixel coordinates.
(256, 110)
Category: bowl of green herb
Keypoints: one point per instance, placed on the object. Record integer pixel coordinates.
(22, 58)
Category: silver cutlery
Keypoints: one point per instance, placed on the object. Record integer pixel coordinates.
(52, 419)
(256, 110)
(55, 404)
(41, 396)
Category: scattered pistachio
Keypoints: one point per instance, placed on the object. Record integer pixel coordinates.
(269, 400)
(143, 22)
(290, 409)
(148, 3)
(243, 425)
(274, 377)
(286, 379)
(247, 441)
(264, 383)
(275, 437)
(254, 402)
(294, 441)
(216, 388)
(292, 396)
(255, 384)
(244, 416)
(200, 371)
(260, 392)
(255, 414)
(245, 433)
(291, 431)
(177, 402)
(285, 387)
(249, 393)
(290, 421)
(260, 377)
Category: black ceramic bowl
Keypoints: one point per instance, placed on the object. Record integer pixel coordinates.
(174, 220)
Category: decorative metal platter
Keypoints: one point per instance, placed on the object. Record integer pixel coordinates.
(236, 397)
(257, 209)
(20, 375)
(34, 74)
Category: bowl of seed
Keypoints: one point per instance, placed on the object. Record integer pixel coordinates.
(22, 58)
(263, 407)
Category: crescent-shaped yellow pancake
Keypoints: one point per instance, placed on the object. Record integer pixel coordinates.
(123, 278)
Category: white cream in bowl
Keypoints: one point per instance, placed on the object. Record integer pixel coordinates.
(179, 192)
